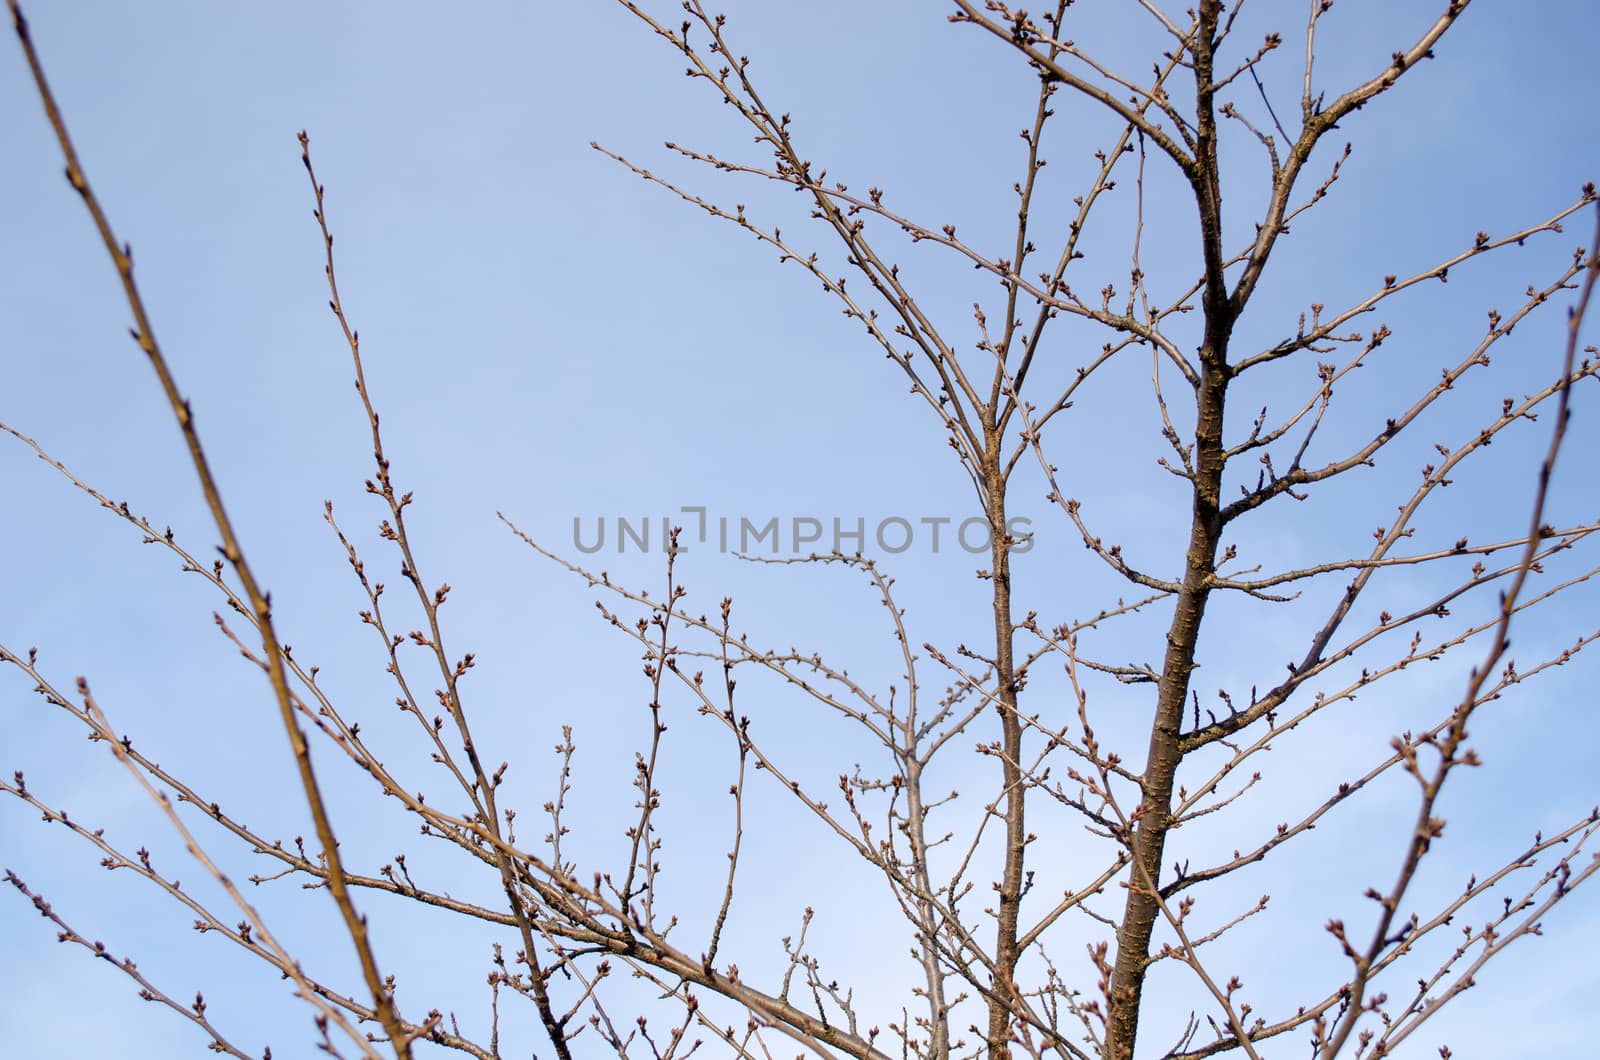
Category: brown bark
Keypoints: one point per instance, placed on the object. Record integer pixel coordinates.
(1001, 999)
(1153, 819)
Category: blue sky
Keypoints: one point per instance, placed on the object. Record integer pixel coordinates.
(549, 336)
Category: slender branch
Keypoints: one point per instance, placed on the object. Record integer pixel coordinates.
(144, 334)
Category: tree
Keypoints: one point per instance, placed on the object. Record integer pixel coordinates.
(1094, 886)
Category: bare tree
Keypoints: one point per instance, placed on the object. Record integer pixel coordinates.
(1143, 780)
